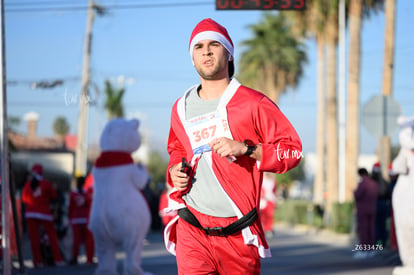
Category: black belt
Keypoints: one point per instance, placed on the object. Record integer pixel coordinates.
(235, 227)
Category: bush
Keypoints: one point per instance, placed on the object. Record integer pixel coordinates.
(342, 217)
(293, 212)
(307, 213)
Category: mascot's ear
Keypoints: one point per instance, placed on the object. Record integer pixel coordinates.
(134, 123)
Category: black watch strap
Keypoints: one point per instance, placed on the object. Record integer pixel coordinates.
(250, 148)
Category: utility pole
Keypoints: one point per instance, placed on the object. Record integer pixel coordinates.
(82, 137)
(5, 205)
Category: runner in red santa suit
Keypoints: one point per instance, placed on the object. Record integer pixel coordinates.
(79, 208)
(268, 203)
(37, 195)
(229, 135)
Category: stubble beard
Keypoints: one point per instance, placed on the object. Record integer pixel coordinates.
(208, 75)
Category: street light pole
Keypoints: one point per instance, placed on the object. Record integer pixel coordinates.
(82, 137)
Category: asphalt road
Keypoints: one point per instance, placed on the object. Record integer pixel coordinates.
(294, 252)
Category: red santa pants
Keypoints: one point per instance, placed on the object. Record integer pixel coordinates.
(82, 235)
(33, 228)
(198, 253)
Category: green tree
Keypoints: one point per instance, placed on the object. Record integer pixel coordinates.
(157, 167)
(61, 126)
(387, 77)
(13, 121)
(331, 41)
(320, 21)
(274, 58)
(297, 173)
(113, 102)
(311, 23)
(356, 12)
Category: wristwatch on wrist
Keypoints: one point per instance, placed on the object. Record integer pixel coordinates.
(250, 148)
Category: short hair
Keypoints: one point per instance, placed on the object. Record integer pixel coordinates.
(363, 172)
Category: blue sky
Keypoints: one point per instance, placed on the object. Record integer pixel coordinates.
(149, 47)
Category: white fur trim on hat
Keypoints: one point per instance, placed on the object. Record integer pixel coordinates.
(211, 35)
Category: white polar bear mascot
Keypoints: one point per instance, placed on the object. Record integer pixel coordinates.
(120, 216)
(403, 196)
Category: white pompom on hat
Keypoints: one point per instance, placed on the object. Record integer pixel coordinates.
(210, 29)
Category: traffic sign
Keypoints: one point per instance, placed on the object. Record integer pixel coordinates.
(379, 115)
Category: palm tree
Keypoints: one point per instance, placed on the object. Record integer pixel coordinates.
(320, 21)
(387, 78)
(274, 58)
(12, 121)
(331, 30)
(60, 128)
(113, 103)
(314, 22)
(357, 9)
(311, 23)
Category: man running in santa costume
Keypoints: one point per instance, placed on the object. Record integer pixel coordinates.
(225, 135)
(38, 195)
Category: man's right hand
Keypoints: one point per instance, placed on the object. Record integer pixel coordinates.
(179, 179)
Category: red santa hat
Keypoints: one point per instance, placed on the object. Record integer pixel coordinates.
(38, 169)
(210, 29)
(376, 167)
(390, 171)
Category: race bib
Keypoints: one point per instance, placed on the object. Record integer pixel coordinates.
(203, 129)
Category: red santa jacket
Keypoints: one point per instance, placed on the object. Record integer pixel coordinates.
(79, 207)
(38, 201)
(251, 116)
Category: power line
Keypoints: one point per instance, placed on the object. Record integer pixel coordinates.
(59, 2)
(35, 3)
(11, 81)
(124, 6)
